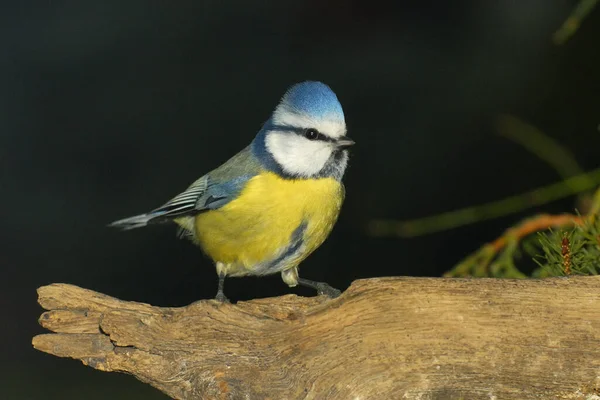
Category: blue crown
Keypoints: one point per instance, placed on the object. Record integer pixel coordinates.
(313, 98)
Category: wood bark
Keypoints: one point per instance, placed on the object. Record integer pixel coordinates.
(385, 338)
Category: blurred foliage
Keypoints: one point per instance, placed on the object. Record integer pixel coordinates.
(576, 182)
(530, 138)
(575, 185)
(574, 251)
(539, 144)
(572, 23)
(497, 258)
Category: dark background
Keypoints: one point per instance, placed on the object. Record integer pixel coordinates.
(109, 108)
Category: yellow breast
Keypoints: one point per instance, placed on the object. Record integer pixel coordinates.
(257, 226)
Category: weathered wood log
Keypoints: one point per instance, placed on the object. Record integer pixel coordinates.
(388, 338)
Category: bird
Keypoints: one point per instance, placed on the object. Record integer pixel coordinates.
(267, 208)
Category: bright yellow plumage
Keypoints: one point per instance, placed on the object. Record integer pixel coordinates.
(257, 226)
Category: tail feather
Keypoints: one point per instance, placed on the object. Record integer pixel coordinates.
(137, 221)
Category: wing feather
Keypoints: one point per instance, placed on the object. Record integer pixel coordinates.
(211, 191)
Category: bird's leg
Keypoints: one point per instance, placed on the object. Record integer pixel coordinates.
(220, 294)
(320, 287)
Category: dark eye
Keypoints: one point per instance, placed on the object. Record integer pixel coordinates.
(312, 134)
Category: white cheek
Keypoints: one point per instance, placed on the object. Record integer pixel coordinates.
(297, 155)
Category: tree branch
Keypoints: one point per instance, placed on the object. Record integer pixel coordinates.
(387, 338)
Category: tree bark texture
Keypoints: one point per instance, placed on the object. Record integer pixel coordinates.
(384, 338)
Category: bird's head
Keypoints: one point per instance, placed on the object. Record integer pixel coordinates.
(306, 134)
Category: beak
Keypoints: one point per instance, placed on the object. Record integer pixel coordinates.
(344, 142)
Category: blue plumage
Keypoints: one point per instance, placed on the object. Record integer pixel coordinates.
(313, 98)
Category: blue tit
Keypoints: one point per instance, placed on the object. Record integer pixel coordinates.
(275, 202)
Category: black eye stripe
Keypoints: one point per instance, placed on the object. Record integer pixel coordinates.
(301, 132)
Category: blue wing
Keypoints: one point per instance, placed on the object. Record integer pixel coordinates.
(204, 194)
(210, 192)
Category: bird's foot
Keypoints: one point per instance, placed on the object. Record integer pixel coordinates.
(320, 287)
(221, 298)
(329, 291)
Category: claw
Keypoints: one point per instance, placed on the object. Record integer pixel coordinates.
(323, 288)
(221, 298)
